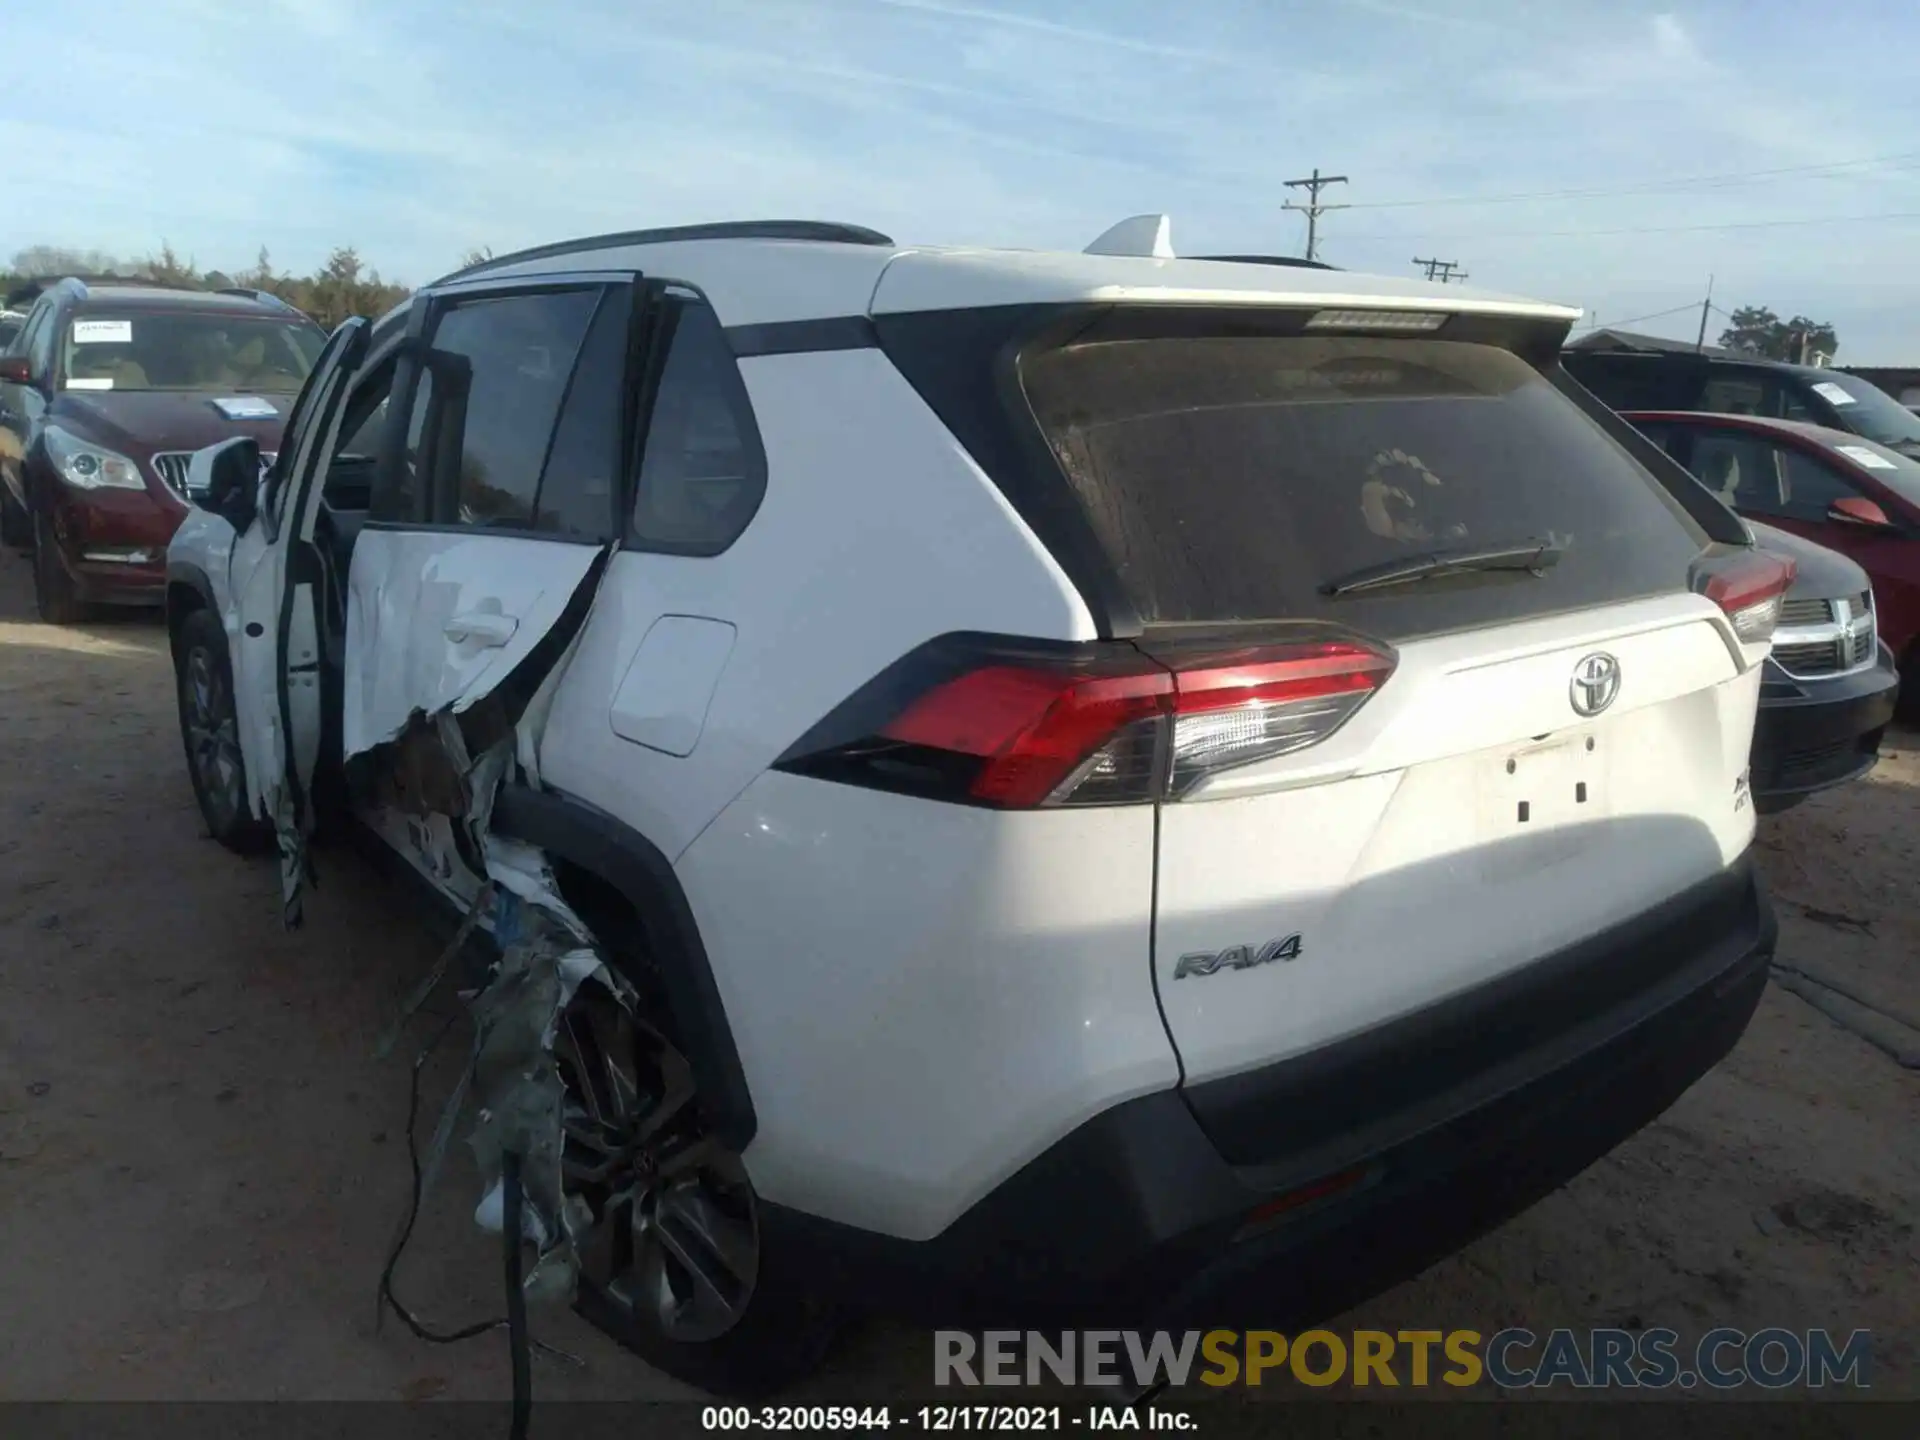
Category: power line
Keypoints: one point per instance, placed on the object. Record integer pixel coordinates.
(1686, 182)
(1314, 209)
(1686, 309)
(1442, 270)
(1649, 229)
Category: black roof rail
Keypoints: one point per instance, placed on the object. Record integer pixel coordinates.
(824, 232)
(35, 286)
(265, 297)
(1290, 260)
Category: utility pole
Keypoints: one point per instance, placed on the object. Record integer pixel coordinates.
(1313, 209)
(1700, 343)
(1442, 270)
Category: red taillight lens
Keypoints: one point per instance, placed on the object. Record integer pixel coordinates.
(1035, 730)
(973, 721)
(1750, 587)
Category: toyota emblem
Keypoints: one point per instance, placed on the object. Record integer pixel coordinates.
(1596, 680)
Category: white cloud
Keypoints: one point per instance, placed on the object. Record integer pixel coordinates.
(1671, 41)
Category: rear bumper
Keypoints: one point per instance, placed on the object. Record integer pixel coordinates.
(1811, 735)
(1140, 1217)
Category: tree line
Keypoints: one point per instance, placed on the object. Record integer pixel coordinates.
(1756, 330)
(344, 286)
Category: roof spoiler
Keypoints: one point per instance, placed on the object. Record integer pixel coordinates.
(1149, 236)
(1292, 261)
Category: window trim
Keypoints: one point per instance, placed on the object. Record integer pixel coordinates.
(656, 348)
(423, 317)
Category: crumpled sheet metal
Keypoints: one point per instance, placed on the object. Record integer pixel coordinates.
(517, 1090)
(511, 1082)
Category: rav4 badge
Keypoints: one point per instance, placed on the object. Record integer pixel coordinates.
(1237, 957)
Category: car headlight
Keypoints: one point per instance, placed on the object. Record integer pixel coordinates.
(89, 467)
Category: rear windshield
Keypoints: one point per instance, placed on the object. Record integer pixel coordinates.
(1231, 479)
(188, 350)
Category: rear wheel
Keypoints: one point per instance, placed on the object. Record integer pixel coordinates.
(1909, 704)
(674, 1266)
(210, 731)
(53, 591)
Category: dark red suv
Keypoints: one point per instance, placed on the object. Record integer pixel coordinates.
(1837, 489)
(105, 393)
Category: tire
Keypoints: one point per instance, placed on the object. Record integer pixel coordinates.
(209, 733)
(53, 592)
(756, 1331)
(1908, 706)
(15, 531)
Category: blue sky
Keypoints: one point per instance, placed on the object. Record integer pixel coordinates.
(417, 130)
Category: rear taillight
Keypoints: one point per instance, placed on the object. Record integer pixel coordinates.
(1104, 725)
(1750, 586)
(1236, 709)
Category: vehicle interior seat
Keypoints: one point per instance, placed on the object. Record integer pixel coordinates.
(1720, 469)
(114, 364)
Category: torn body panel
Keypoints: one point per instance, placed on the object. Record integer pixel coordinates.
(437, 621)
(429, 786)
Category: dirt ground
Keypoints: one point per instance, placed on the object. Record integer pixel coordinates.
(201, 1164)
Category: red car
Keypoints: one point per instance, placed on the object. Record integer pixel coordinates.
(105, 394)
(1839, 490)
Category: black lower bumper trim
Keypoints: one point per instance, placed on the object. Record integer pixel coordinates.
(1137, 1219)
(1814, 734)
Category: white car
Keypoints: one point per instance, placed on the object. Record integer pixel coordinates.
(1106, 785)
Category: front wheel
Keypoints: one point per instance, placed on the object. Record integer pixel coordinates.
(210, 731)
(53, 591)
(675, 1266)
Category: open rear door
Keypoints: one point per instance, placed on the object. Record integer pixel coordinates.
(488, 535)
(276, 573)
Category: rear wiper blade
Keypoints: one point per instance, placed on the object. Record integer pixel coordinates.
(1533, 556)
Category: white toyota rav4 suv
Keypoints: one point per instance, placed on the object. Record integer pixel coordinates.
(1106, 786)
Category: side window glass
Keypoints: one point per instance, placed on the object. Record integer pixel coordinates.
(40, 339)
(702, 470)
(1811, 486)
(350, 471)
(1739, 469)
(1734, 392)
(495, 405)
(28, 329)
(366, 422)
(578, 486)
(1793, 405)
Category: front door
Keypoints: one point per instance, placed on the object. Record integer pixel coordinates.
(275, 637)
